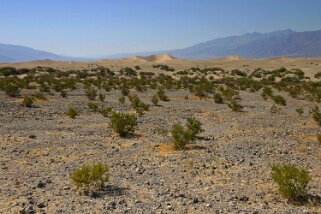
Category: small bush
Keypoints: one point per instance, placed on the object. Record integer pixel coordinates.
(91, 93)
(274, 109)
(194, 125)
(93, 106)
(105, 111)
(299, 111)
(155, 100)
(218, 98)
(101, 97)
(124, 91)
(27, 101)
(279, 100)
(123, 124)
(181, 136)
(161, 95)
(316, 114)
(137, 104)
(235, 106)
(90, 177)
(121, 100)
(12, 90)
(266, 93)
(319, 138)
(39, 95)
(63, 93)
(72, 113)
(292, 181)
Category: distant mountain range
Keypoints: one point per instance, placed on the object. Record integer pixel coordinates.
(252, 45)
(16, 53)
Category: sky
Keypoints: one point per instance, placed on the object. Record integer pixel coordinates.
(92, 28)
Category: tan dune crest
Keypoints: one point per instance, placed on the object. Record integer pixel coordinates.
(152, 58)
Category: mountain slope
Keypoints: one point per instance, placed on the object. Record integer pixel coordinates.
(15, 53)
(257, 45)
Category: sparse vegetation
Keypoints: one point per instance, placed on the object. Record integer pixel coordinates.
(27, 102)
(93, 106)
(90, 176)
(299, 110)
(161, 95)
(72, 112)
(91, 93)
(316, 114)
(180, 136)
(292, 181)
(235, 106)
(123, 124)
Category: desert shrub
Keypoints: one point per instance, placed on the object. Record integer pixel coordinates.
(105, 111)
(319, 138)
(218, 98)
(161, 131)
(317, 75)
(92, 106)
(181, 136)
(39, 95)
(194, 125)
(12, 90)
(267, 92)
(299, 111)
(292, 181)
(27, 102)
(90, 177)
(274, 109)
(161, 95)
(123, 124)
(137, 104)
(155, 100)
(235, 106)
(72, 112)
(101, 97)
(279, 100)
(91, 93)
(124, 90)
(63, 93)
(121, 100)
(316, 114)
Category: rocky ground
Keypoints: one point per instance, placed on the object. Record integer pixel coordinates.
(227, 170)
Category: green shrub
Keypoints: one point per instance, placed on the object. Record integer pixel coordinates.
(299, 111)
(137, 104)
(274, 109)
(63, 93)
(155, 100)
(39, 95)
(124, 90)
(27, 101)
(161, 95)
(72, 113)
(235, 106)
(218, 98)
(123, 124)
(101, 97)
(267, 92)
(319, 138)
(105, 111)
(181, 136)
(279, 100)
(91, 93)
(92, 106)
(12, 90)
(292, 181)
(90, 177)
(194, 125)
(122, 100)
(316, 114)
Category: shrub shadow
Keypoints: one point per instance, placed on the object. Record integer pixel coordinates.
(109, 190)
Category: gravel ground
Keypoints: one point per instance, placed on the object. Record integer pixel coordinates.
(227, 170)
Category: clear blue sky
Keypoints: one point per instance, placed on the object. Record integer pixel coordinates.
(103, 27)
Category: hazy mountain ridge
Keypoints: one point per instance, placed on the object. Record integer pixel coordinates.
(252, 45)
